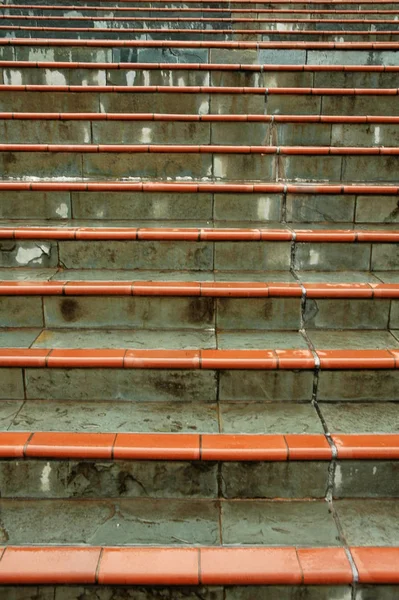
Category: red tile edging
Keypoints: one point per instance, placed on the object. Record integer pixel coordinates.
(150, 565)
(192, 446)
(199, 359)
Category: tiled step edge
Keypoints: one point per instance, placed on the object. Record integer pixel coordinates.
(206, 447)
(194, 566)
(222, 118)
(201, 44)
(192, 289)
(172, 30)
(204, 149)
(200, 234)
(199, 359)
(194, 187)
(16, 64)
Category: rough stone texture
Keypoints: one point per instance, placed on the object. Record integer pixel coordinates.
(270, 417)
(128, 205)
(35, 205)
(28, 254)
(107, 522)
(366, 479)
(377, 209)
(332, 257)
(315, 208)
(362, 417)
(274, 523)
(252, 207)
(372, 386)
(385, 257)
(111, 416)
(373, 592)
(119, 384)
(325, 592)
(369, 522)
(346, 314)
(137, 255)
(21, 311)
(138, 312)
(272, 256)
(266, 385)
(107, 479)
(112, 593)
(274, 479)
(254, 313)
(12, 386)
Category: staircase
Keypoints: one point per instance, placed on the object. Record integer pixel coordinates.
(199, 300)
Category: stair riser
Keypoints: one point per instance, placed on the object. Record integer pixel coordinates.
(192, 313)
(243, 208)
(199, 55)
(193, 166)
(197, 385)
(269, 79)
(222, 4)
(199, 256)
(198, 103)
(171, 34)
(174, 12)
(325, 592)
(166, 479)
(208, 27)
(144, 132)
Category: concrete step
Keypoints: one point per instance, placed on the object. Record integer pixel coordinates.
(17, 72)
(212, 24)
(220, 250)
(130, 365)
(297, 570)
(337, 34)
(205, 11)
(134, 465)
(192, 162)
(200, 100)
(118, 128)
(246, 205)
(199, 305)
(165, 51)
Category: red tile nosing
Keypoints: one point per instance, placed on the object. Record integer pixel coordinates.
(191, 446)
(237, 289)
(202, 44)
(224, 188)
(359, 446)
(239, 118)
(197, 89)
(149, 565)
(203, 30)
(198, 359)
(376, 565)
(184, 9)
(197, 234)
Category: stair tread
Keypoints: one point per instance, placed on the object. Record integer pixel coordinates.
(114, 275)
(195, 522)
(252, 418)
(193, 339)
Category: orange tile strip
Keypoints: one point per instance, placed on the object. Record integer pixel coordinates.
(184, 9)
(204, 149)
(197, 234)
(192, 446)
(191, 288)
(199, 359)
(259, 32)
(225, 188)
(54, 116)
(39, 565)
(198, 66)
